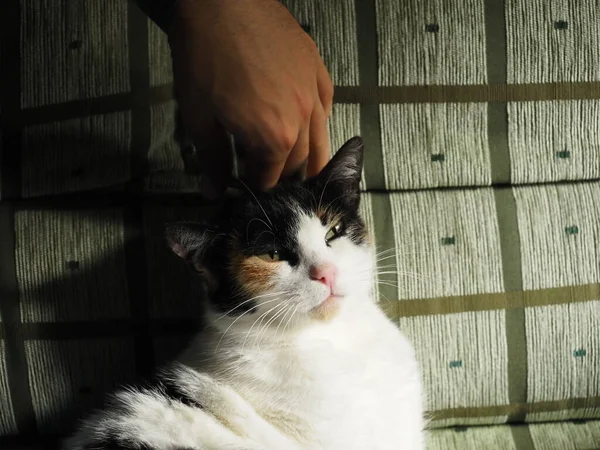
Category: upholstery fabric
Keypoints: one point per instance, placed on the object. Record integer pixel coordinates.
(481, 120)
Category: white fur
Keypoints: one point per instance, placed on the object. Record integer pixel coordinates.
(290, 381)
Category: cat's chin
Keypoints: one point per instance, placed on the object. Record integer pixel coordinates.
(328, 308)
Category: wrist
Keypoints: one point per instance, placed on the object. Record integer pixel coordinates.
(185, 12)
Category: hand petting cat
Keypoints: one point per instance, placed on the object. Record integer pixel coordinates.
(247, 68)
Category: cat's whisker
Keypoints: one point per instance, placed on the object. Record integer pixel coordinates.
(262, 329)
(332, 201)
(244, 302)
(375, 272)
(238, 318)
(225, 332)
(386, 299)
(270, 321)
(401, 292)
(392, 251)
(323, 191)
(398, 250)
(290, 319)
(249, 331)
(261, 318)
(268, 230)
(386, 257)
(258, 237)
(287, 310)
(416, 276)
(311, 193)
(383, 252)
(258, 203)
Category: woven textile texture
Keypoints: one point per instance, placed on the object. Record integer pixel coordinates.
(481, 120)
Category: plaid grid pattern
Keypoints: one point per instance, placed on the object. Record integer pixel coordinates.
(495, 277)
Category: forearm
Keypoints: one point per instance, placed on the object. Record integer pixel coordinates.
(159, 11)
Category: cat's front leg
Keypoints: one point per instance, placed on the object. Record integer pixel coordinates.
(239, 416)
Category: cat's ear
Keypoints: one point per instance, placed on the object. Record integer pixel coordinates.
(193, 242)
(344, 170)
(346, 165)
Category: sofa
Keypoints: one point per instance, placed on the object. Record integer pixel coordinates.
(481, 120)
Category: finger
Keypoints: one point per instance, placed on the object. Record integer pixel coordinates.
(295, 166)
(266, 158)
(325, 88)
(320, 151)
(263, 169)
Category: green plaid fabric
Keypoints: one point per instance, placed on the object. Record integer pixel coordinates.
(548, 436)
(481, 121)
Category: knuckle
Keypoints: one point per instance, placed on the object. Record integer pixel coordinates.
(281, 136)
(286, 137)
(305, 107)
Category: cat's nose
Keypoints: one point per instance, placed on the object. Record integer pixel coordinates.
(324, 273)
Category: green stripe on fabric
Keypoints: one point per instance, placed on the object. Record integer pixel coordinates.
(373, 95)
(16, 361)
(139, 75)
(516, 339)
(370, 130)
(106, 329)
(135, 251)
(522, 437)
(516, 342)
(468, 93)
(502, 300)
(10, 100)
(385, 239)
(100, 105)
(366, 30)
(520, 409)
(497, 118)
(495, 35)
(497, 127)
(405, 308)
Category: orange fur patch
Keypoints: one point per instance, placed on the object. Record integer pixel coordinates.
(326, 310)
(252, 273)
(330, 217)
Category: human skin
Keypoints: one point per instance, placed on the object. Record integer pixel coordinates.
(246, 67)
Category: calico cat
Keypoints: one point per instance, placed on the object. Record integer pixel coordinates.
(298, 354)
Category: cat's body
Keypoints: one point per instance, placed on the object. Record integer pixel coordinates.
(289, 370)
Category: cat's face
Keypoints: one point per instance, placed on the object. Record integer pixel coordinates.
(299, 249)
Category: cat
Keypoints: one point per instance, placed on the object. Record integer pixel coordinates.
(298, 355)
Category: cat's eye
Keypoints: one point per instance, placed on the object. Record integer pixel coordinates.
(334, 232)
(270, 256)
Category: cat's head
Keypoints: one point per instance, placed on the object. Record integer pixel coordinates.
(300, 248)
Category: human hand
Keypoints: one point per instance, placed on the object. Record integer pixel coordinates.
(248, 68)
